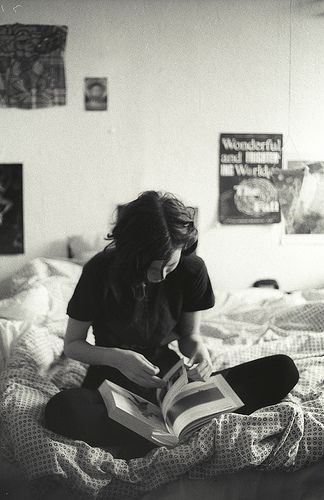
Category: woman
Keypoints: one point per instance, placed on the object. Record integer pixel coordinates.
(144, 290)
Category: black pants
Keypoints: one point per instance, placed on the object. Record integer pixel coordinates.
(81, 413)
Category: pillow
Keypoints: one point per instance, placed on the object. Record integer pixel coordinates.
(28, 305)
(312, 294)
(227, 302)
(63, 268)
(84, 246)
(84, 257)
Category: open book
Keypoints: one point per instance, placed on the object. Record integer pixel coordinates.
(182, 408)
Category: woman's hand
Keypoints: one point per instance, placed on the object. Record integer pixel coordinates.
(192, 346)
(131, 364)
(138, 369)
(200, 365)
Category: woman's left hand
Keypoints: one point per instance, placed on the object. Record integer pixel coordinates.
(200, 365)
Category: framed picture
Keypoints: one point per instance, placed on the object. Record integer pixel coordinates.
(11, 209)
(300, 189)
(96, 94)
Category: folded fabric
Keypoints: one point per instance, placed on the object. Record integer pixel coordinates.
(28, 305)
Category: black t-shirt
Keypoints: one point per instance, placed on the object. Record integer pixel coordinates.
(152, 321)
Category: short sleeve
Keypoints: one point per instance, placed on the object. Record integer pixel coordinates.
(198, 293)
(83, 305)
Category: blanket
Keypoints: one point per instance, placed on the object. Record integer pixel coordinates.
(285, 436)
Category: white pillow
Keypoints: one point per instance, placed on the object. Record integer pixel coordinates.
(238, 301)
(63, 268)
(28, 305)
(312, 294)
(84, 257)
(84, 246)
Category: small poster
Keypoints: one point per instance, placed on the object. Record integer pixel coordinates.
(96, 95)
(11, 209)
(246, 191)
(300, 189)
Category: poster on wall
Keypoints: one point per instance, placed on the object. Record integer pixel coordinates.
(246, 191)
(32, 65)
(11, 209)
(95, 94)
(300, 190)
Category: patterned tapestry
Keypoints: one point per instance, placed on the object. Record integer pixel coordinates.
(32, 65)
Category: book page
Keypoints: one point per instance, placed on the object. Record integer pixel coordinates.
(134, 412)
(176, 378)
(136, 406)
(198, 402)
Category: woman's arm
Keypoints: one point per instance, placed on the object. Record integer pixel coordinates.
(192, 345)
(77, 347)
(132, 364)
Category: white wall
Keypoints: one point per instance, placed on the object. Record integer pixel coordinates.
(180, 73)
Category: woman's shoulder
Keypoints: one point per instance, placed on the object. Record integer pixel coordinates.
(191, 264)
(101, 260)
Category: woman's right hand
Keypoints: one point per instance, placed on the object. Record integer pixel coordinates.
(138, 369)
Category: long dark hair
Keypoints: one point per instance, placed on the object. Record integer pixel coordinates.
(149, 228)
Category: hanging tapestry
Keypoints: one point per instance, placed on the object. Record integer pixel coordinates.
(11, 209)
(32, 65)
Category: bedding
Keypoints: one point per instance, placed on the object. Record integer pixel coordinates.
(35, 295)
(243, 325)
(81, 247)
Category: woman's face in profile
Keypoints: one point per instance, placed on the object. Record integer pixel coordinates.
(159, 269)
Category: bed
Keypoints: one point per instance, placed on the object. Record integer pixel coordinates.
(276, 451)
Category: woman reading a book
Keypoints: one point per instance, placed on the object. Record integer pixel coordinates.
(144, 290)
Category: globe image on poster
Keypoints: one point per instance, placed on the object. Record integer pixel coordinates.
(256, 197)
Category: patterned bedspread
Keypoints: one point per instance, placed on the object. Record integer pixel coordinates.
(286, 436)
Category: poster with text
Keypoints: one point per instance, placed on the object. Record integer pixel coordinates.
(11, 209)
(246, 191)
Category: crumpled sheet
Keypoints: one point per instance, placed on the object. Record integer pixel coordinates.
(285, 436)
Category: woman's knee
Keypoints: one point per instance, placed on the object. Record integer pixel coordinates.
(58, 415)
(82, 414)
(70, 412)
(277, 367)
(285, 370)
(271, 376)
